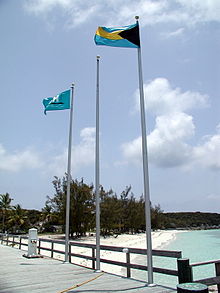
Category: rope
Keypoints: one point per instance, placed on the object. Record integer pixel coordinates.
(81, 284)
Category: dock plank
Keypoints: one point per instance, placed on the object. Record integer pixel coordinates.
(46, 275)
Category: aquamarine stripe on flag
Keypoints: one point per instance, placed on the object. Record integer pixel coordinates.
(59, 102)
(114, 43)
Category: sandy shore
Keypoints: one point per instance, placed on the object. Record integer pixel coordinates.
(159, 241)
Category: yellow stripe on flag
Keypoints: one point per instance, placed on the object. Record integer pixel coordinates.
(112, 36)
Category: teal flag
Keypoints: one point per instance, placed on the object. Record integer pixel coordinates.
(59, 102)
(125, 36)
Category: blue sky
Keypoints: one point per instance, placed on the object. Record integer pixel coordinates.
(46, 45)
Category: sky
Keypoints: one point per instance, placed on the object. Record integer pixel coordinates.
(46, 45)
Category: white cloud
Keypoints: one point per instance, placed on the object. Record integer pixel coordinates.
(161, 98)
(42, 6)
(201, 11)
(165, 143)
(174, 34)
(83, 154)
(121, 12)
(168, 147)
(168, 143)
(208, 153)
(74, 11)
(16, 161)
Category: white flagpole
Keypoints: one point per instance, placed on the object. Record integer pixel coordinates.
(67, 231)
(145, 171)
(97, 174)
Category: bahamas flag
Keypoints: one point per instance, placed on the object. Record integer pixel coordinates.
(125, 36)
(59, 102)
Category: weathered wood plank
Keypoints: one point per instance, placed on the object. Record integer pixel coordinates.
(209, 281)
(45, 275)
(205, 263)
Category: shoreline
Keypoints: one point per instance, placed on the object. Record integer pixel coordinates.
(160, 239)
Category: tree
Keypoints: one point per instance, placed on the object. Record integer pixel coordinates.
(81, 205)
(47, 215)
(17, 219)
(5, 205)
(110, 212)
(157, 219)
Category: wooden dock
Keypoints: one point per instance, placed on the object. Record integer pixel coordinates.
(45, 275)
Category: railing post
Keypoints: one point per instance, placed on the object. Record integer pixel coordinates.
(70, 252)
(217, 271)
(20, 243)
(184, 270)
(7, 240)
(93, 260)
(39, 243)
(128, 261)
(52, 248)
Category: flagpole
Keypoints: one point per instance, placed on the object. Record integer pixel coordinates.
(67, 231)
(145, 171)
(97, 184)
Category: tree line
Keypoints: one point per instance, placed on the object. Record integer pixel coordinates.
(122, 213)
(118, 214)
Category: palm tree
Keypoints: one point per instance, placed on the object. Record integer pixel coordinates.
(17, 218)
(5, 205)
(47, 214)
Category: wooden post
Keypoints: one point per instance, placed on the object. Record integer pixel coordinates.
(93, 260)
(128, 261)
(70, 253)
(20, 243)
(52, 248)
(217, 271)
(184, 270)
(39, 243)
(7, 240)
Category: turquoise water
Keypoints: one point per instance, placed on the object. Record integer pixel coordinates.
(198, 246)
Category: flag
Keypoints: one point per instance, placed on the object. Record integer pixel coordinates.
(59, 102)
(126, 36)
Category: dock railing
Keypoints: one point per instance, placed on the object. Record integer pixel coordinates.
(184, 270)
(48, 247)
(209, 281)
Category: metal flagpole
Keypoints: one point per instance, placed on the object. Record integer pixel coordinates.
(67, 231)
(145, 171)
(97, 174)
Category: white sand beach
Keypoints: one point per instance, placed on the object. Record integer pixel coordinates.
(159, 241)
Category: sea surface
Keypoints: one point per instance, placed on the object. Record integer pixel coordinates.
(198, 246)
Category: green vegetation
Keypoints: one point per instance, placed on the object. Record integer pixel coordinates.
(119, 214)
(196, 220)
(14, 219)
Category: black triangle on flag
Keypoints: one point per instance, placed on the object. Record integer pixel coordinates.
(132, 35)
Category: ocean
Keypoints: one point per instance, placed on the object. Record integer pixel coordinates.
(198, 246)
